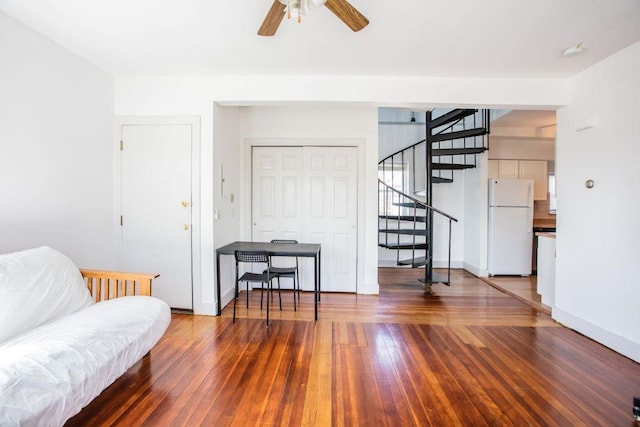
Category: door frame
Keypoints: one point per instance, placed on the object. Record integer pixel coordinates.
(194, 123)
(358, 143)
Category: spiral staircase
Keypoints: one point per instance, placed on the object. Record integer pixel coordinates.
(453, 140)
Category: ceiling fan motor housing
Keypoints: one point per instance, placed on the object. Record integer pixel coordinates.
(348, 14)
(301, 7)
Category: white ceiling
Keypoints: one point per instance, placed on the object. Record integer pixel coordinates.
(532, 119)
(452, 38)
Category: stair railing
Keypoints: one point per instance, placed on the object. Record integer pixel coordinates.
(396, 197)
(408, 154)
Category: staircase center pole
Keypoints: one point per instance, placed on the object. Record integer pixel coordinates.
(428, 268)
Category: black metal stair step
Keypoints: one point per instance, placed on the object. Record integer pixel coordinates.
(414, 262)
(409, 231)
(440, 180)
(436, 278)
(394, 246)
(451, 166)
(457, 151)
(451, 117)
(404, 218)
(467, 133)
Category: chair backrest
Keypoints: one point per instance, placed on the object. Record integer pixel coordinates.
(286, 242)
(252, 256)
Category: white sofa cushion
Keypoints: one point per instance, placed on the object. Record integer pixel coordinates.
(38, 286)
(50, 373)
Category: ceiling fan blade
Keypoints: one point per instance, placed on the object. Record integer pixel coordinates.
(347, 14)
(273, 19)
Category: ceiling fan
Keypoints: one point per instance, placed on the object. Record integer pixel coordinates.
(341, 8)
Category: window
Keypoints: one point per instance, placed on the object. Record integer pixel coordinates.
(552, 194)
(396, 176)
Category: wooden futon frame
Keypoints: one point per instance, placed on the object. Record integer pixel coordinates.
(105, 285)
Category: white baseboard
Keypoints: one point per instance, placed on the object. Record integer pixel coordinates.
(436, 264)
(615, 342)
(369, 289)
(227, 297)
(443, 264)
(386, 263)
(208, 309)
(475, 270)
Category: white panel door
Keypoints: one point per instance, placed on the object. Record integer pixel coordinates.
(156, 208)
(277, 197)
(277, 193)
(309, 194)
(330, 212)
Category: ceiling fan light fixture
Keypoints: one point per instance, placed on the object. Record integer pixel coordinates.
(342, 9)
(299, 8)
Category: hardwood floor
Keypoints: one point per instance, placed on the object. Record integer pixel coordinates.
(522, 288)
(467, 355)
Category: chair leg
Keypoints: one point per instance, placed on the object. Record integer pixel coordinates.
(247, 295)
(268, 292)
(279, 294)
(261, 292)
(298, 284)
(234, 304)
(294, 293)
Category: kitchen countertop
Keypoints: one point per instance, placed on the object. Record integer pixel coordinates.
(546, 234)
(544, 223)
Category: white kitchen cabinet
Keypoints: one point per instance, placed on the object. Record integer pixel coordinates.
(535, 170)
(494, 169)
(546, 283)
(508, 169)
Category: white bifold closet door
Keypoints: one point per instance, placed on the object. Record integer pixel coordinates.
(309, 194)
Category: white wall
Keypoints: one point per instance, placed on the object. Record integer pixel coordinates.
(187, 96)
(56, 115)
(598, 252)
(160, 93)
(475, 217)
(449, 198)
(229, 215)
(522, 148)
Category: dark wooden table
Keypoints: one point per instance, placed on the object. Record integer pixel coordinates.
(305, 250)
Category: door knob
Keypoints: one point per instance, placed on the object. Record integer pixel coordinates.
(185, 227)
(185, 204)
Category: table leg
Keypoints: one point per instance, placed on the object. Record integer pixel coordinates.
(316, 285)
(319, 271)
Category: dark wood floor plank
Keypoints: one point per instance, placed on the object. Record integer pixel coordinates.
(467, 355)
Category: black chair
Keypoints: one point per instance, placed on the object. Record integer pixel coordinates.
(290, 272)
(265, 278)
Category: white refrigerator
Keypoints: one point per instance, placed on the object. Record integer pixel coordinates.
(510, 226)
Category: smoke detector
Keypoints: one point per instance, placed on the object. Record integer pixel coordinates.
(572, 51)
